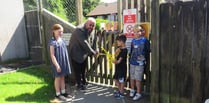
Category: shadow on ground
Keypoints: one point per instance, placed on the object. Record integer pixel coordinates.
(101, 94)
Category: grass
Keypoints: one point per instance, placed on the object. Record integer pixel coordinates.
(33, 84)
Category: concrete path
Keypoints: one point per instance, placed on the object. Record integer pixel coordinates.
(101, 94)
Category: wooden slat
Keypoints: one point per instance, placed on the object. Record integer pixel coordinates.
(165, 27)
(205, 82)
(155, 35)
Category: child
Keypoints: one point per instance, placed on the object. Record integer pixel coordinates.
(139, 51)
(60, 62)
(121, 66)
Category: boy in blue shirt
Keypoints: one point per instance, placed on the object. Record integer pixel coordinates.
(140, 48)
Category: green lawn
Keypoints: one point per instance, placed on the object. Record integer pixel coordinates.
(34, 85)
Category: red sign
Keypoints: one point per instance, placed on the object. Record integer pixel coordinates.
(130, 35)
(130, 18)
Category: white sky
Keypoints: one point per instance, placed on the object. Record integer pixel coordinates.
(108, 1)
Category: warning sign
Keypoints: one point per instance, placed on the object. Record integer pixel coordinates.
(129, 20)
(129, 28)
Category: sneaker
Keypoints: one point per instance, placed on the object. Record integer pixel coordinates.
(137, 96)
(122, 95)
(66, 95)
(61, 98)
(82, 88)
(119, 96)
(132, 92)
(116, 93)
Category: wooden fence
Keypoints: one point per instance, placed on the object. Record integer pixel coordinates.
(38, 40)
(100, 70)
(33, 35)
(183, 53)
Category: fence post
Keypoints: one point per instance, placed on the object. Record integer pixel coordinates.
(120, 15)
(155, 89)
(79, 12)
(41, 32)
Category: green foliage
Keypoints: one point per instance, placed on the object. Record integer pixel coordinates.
(31, 85)
(29, 4)
(99, 21)
(89, 5)
(56, 7)
(66, 9)
(70, 9)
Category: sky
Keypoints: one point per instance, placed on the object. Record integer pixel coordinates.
(108, 1)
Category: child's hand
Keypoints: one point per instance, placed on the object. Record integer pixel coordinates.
(58, 69)
(114, 61)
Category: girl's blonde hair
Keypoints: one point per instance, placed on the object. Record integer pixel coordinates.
(136, 28)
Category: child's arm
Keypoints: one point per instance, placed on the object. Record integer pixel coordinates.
(117, 51)
(53, 58)
(117, 61)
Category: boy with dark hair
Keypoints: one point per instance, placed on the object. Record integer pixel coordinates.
(121, 66)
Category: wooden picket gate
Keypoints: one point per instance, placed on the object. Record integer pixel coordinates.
(100, 70)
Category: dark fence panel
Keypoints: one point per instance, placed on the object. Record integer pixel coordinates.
(184, 52)
(39, 40)
(34, 39)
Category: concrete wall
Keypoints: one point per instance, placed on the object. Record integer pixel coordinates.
(13, 39)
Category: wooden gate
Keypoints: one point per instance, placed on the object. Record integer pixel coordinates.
(183, 53)
(101, 69)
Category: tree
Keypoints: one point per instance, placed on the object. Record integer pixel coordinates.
(56, 7)
(70, 7)
(66, 9)
(29, 5)
(89, 5)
